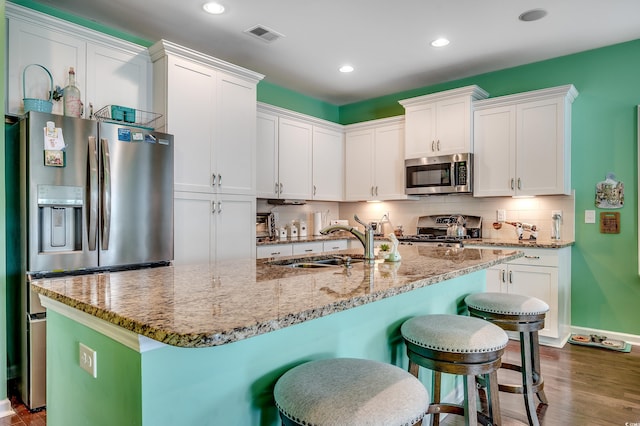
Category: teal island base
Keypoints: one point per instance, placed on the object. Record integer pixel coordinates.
(231, 384)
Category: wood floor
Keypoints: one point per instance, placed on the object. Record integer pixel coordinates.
(585, 387)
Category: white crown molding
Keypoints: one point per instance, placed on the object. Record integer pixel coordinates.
(568, 91)
(475, 92)
(165, 47)
(283, 112)
(14, 11)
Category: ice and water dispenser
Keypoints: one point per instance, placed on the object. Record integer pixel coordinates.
(60, 218)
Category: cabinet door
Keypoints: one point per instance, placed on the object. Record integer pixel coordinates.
(540, 282)
(494, 155)
(193, 221)
(57, 51)
(190, 105)
(295, 159)
(453, 126)
(541, 150)
(496, 276)
(117, 77)
(328, 164)
(235, 138)
(389, 162)
(420, 122)
(267, 156)
(359, 165)
(235, 231)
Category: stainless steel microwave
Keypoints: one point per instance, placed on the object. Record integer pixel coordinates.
(444, 174)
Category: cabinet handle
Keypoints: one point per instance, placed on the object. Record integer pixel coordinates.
(219, 180)
(438, 145)
(519, 184)
(275, 188)
(376, 190)
(213, 207)
(280, 188)
(314, 190)
(372, 194)
(219, 207)
(531, 257)
(213, 179)
(503, 275)
(308, 250)
(512, 184)
(433, 146)
(510, 277)
(273, 253)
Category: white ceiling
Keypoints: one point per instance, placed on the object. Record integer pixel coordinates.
(386, 41)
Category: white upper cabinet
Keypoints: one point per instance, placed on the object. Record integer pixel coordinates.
(109, 71)
(328, 164)
(523, 143)
(295, 151)
(440, 123)
(299, 157)
(210, 108)
(374, 160)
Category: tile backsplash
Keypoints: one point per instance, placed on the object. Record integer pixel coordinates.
(535, 210)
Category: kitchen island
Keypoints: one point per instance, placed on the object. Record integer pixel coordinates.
(205, 344)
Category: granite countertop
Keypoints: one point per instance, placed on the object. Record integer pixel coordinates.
(210, 305)
(513, 242)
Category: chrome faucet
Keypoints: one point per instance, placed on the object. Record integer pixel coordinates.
(365, 238)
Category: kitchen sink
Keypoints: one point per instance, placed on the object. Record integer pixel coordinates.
(317, 262)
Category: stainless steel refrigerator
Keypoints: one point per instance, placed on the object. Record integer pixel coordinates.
(94, 196)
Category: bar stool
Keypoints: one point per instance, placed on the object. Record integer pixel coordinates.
(524, 314)
(350, 392)
(457, 345)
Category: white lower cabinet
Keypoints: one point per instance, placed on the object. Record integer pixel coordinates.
(546, 275)
(298, 249)
(208, 227)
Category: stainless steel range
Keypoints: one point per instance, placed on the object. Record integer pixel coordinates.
(449, 230)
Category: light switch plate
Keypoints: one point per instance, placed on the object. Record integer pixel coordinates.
(88, 359)
(589, 216)
(501, 215)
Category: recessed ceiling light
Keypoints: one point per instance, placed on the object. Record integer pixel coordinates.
(532, 15)
(346, 68)
(441, 42)
(213, 8)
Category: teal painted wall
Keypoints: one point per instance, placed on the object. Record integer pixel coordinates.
(605, 282)
(74, 397)
(275, 95)
(230, 384)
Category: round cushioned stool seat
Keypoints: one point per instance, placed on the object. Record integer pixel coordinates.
(454, 333)
(348, 391)
(506, 304)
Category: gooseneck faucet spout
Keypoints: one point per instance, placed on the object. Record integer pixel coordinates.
(365, 238)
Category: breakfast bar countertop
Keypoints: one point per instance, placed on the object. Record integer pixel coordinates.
(524, 243)
(210, 305)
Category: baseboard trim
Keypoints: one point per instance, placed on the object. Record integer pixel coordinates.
(5, 408)
(630, 338)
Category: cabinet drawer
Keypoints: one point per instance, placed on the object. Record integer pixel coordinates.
(335, 245)
(274, 250)
(538, 257)
(307, 248)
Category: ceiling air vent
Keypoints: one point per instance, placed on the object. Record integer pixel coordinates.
(263, 33)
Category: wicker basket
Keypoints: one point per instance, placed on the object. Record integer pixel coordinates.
(33, 104)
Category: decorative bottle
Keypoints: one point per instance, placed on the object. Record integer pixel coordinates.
(72, 102)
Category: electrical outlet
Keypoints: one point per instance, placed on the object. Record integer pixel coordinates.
(501, 215)
(88, 360)
(589, 216)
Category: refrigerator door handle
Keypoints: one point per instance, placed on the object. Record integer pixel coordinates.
(92, 227)
(106, 194)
